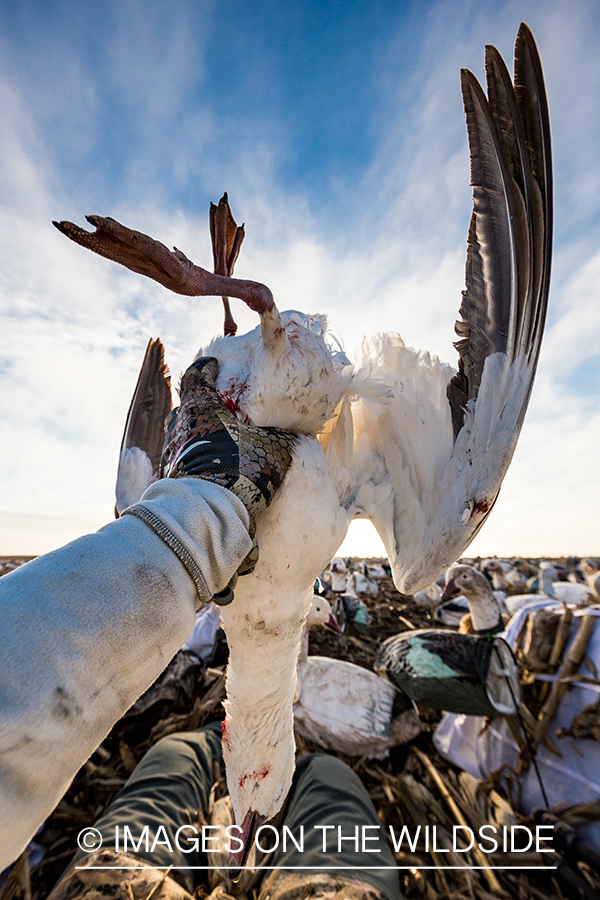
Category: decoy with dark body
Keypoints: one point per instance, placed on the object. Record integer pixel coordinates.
(472, 673)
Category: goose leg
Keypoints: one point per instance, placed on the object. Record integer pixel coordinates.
(146, 256)
(227, 239)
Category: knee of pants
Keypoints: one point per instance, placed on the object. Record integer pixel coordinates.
(325, 768)
(181, 742)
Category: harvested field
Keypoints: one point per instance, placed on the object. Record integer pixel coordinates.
(413, 787)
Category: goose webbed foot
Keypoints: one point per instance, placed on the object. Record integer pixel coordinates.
(147, 256)
(227, 239)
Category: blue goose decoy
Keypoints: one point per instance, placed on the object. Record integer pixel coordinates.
(473, 673)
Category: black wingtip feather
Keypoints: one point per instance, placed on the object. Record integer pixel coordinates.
(509, 243)
(150, 405)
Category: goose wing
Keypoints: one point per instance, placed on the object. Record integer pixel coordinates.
(428, 470)
(143, 438)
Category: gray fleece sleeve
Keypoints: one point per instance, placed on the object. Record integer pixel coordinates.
(86, 629)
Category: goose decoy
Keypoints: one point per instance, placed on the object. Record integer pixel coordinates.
(336, 573)
(472, 673)
(494, 569)
(376, 572)
(404, 440)
(451, 610)
(321, 615)
(571, 779)
(453, 607)
(485, 616)
(363, 583)
(344, 707)
(591, 573)
(203, 639)
(563, 591)
(351, 710)
(430, 596)
(352, 614)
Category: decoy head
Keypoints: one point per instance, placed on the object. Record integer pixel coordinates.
(472, 584)
(468, 581)
(320, 613)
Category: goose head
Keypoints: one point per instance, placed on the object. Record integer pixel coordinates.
(287, 372)
(320, 613)
(472, 584)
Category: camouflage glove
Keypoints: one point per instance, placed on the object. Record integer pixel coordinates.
(205, 440)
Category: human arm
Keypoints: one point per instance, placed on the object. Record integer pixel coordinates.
(87, 628)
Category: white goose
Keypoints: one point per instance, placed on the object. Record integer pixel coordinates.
(423, 449)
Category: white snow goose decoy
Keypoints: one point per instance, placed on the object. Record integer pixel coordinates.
(351, 710)
(422, 457)
(321, 615)
(565, 591)
(344, 707)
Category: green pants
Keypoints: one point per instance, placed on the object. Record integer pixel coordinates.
(172, 783)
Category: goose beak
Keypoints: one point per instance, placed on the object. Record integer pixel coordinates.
(450, 591)
(274, 337)
(238, 859)
(333, 625)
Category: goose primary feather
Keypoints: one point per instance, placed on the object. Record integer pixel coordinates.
(402, 439)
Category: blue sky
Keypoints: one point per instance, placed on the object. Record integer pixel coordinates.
(337, 129)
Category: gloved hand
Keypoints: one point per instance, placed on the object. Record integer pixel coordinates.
(205, 440)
